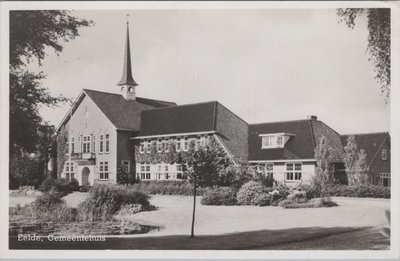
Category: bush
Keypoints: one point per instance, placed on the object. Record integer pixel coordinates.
(266, 181)
(360, 191)
(324, 202)
(252, 193)
(62, 185)
(47, 184)
(168, 187)
(74, 185)
(235, 176)
(124, 177)
(84, 189)
(50, 207)
(220, 196)
(104, 201)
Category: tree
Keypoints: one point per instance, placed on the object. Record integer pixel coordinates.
(324, 155)
(355, 162)
(378, 40)
(31, 33)
(202, 165)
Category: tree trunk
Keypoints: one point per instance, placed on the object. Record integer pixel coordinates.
(194, 205)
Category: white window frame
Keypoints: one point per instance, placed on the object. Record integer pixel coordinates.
(141, 147)
(101, 145)
(159, 145)
(104, 173)
(86, 144)
(293, 175)
(107, 143)
(269, 169)
(272, 141)
(178, 146)
(148, 146)
(185, 144)
(72, 145)
(166, 145)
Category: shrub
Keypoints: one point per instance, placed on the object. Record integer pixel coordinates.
(47, 184)
(304, 203)
(50, 207)
(235, 176)
(264, 200)
(84, 189)
(104, 201)
(74, 185)
(62, 185)
(266, 181)
(324, 202)
(168, 187)
(123, 177)
(297, 196)
(361, 191)
(252, 193)
(220, 196)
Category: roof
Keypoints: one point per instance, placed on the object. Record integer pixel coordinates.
(198, 117)
(370, 142)
(123, 114)
(301, 145)
(207, 117)
(127, 78)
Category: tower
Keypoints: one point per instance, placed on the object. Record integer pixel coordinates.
(127, 83)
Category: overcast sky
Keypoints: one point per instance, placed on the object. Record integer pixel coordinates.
(264, 65)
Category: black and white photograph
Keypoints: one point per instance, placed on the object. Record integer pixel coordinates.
(200, 126)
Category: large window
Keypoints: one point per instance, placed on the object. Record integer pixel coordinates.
(185, 144)
(107, 141)
(178, 145)
(144, 171)
(86, 144)
(148, 146)
(166, 145)
(72, 145)
(293, 171)
(104, 174)
(385, 179)
(69, 170)
(141, 147)
(101, 144)
(272, 141)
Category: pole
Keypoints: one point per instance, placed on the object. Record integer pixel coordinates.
(194, 205)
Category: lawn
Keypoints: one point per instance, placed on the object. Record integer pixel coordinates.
(354, 224)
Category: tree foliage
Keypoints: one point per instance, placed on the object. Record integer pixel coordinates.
(324, 155)
(378, 40)
(355, 162)
(32, 33)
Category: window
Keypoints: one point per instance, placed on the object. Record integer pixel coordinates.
(104, 174)
(178, 145)
(272, 141)
(144, 172)
(203, 141)
(86, 144)
(293, 171)
(279, 141)
(185, 144)
(94, 143)
(107, 140)
(166, 145)
(141, 147)
(126, 165)
(269, 169)
(197, 144)
(384, 154)
(385, 179)
(69, 170)
(101, 144)
(159, 145)
(72, 145)
(148, 146)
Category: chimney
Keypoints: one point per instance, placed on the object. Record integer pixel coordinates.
(312, 117)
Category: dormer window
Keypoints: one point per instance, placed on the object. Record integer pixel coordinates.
(274, 140)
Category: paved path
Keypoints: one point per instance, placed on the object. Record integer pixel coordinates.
(174, 214)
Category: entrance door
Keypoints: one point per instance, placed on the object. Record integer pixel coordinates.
(85, 176)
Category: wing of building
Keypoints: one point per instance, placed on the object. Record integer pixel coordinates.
(104, 133)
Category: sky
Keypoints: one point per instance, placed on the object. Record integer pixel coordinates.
(263, 64)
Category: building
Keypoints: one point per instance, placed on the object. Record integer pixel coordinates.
(105, 132)
(377, 148)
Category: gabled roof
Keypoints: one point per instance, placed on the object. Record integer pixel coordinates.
(301, 145)
(123, 114)
(370, 142)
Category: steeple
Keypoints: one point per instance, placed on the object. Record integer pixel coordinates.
(127, 82)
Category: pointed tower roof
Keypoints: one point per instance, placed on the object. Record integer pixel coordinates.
(127, 78)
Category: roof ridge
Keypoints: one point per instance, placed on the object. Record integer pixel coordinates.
(182, 105)
(277, 122)
(368, 133)
(112, 93)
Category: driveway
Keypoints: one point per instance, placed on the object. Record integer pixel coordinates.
(174, 214)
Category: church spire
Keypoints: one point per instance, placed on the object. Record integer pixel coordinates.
(127, 79)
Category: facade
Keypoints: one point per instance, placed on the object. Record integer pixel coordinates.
(377, 148)
(104, 132)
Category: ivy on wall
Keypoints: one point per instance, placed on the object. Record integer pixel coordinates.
(170, 157)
